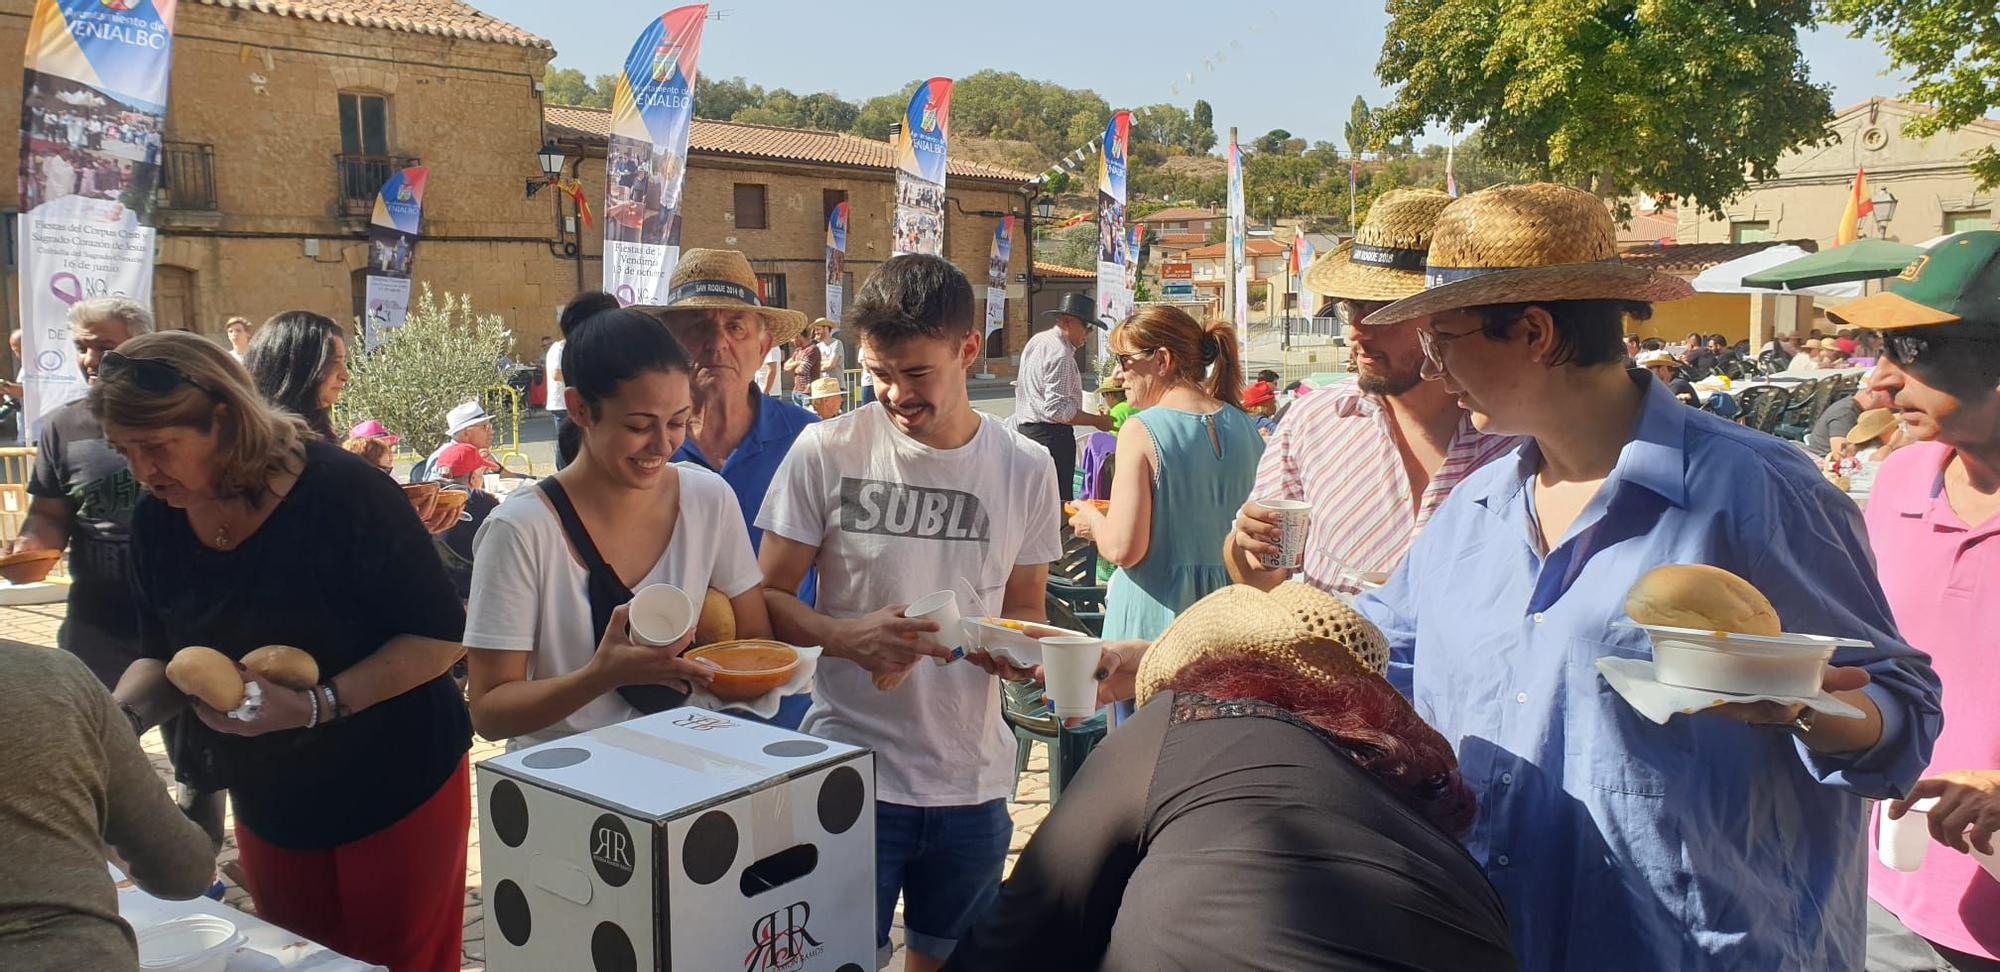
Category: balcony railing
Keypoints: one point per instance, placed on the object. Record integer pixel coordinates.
(361, 178)
(187, 176)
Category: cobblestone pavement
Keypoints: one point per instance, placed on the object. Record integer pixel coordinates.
(37, 626)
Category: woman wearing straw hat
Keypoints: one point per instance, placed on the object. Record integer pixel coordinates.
(1725, 839)
(1275, 805)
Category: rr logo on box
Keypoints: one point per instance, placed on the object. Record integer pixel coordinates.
(774, 946)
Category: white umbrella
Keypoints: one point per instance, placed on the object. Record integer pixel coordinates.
(1727, 278)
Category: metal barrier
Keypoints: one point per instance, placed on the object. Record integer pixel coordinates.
(511, 446)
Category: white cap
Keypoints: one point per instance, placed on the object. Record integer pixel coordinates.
(465, 415)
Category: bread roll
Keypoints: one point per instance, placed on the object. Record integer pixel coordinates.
(285, 665)
(891, 681)
(1703, 598)
(207, 675)
(718, 619)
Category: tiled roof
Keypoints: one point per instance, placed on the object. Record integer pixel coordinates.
(444, 18)
(1255, 246)
(1648, 228)
(1180, 240)
(1179, 213)
(768, 142)
(1058, 270)
(1692, 258)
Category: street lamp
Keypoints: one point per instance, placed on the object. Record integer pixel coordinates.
(552, 158)
(1885, 210)
(1045, 208)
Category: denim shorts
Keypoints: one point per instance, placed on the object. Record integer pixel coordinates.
(945, 862)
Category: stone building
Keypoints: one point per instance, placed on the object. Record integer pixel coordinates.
(283, 120)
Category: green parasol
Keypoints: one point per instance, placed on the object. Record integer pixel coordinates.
(1859, 260)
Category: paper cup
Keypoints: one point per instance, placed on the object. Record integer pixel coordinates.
(659, 615)
(1069, 666)
(941, 607)
(1293, 518)
(1901, 843)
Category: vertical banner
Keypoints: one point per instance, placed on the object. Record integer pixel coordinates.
(392, 244)
(997, 260)
(836, 261)
(1112, 303)
(93, 106)
(1134, 234)
(1239, 276)
(646, 159)
(921, 148)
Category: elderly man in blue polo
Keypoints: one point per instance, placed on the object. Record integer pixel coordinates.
(1731, 838)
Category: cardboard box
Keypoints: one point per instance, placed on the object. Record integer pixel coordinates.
(688, 840)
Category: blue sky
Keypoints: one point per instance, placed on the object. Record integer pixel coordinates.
(1296, 66)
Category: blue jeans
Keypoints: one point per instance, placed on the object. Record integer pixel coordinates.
(867, 394)
(945, 862)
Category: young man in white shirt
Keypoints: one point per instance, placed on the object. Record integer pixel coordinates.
(913, 494)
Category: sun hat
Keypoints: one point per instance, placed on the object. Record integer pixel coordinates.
(1648, 359)
(1259, 393)
(819, 322)
(1871, 425)
(1079, 306)
(1385, 260)
(1523, 244)
(1111, 386)
(722, 280)
(1301, 627)
(1956, 281)
(373, 429)
(827, 387)
(460, 459)
(465, 415)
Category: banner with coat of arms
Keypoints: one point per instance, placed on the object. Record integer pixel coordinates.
(921, 149)
(1112, 296)
(392, 245)
(646, 159)
(997, 260)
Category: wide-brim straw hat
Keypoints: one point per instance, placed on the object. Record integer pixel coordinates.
(828, 387)
(1647, 359)
(722, 280)
(1871, 425)
(1303, 628)
(1385, 260)
(1527, 244)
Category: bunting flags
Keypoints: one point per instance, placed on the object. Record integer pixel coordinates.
(1859, 204)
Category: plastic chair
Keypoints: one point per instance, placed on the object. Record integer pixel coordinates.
(1761, 407)
(1798, 415)
(1078, 607)
(1032, 722)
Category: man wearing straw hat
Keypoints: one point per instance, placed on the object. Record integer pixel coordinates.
(1374, 456)
(1727, 839)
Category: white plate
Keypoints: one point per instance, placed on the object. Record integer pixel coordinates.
(1000, 641)
(1632, 679)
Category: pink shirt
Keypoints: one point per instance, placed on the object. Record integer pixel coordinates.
(1942, 578)
(1336, 450)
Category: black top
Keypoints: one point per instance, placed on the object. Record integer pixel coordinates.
(1838, 420)
(1684, 391)
(75, 465)
(1205, 835)
(455, 544)
(340, 567)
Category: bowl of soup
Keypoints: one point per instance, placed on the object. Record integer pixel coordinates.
(746, 669)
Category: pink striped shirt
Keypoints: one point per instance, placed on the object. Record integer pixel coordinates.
(1336, 451)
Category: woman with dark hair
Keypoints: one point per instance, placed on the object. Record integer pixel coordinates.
(580, 308)
(1186, 461)
(1275, 805)
(351, 796)
(299, 361)
(554, 566)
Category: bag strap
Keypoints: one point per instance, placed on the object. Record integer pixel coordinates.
(605, 592)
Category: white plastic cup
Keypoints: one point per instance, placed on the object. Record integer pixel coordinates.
(659, 615)
(1070, 666)
(941, 607)
(1901, 843)
(191, 943)
(1293, 519)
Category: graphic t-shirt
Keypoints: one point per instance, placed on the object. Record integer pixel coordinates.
(895, 520)
(74, 464)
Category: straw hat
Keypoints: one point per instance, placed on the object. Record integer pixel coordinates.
(1648, 359)
(1301, 627)
(1871, 425)
(1520, 244)
(823, 322)
(827, 387)
(723, 280)
(1385, 260)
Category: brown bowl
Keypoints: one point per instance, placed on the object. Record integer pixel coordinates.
(423, 496)
(747, 669)
(28, 566)
(453, 500)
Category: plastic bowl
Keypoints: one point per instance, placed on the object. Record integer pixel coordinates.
(747, 669)
(422, 496)
(28, 566)
(192, 943)
(1788, 665)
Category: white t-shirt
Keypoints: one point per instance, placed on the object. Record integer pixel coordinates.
(552, 363)
(833, 360)
(529, 594)
(895, 520)
(773, 366)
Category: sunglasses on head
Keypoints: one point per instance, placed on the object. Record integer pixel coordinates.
(150, 374)
(1913, 349)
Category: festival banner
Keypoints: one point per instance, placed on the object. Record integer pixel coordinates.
(93, 106)
(1134, 233)
(1112, 300)
(997, 259)
(392, 244)
(1239, 275)
(646, 159)
(921, 148)
(836, 261)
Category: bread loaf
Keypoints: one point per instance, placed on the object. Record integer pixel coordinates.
(718, 619)
(285, 665)
(1703, 598)
(207, 675)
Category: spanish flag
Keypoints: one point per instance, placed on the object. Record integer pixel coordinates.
(1858, 205)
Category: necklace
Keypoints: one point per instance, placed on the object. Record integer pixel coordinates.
(222, 536)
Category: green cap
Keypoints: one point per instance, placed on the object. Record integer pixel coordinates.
(1956, 281)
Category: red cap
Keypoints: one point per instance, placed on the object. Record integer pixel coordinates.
(1259, 393)
(1846, 345)
(461, 459)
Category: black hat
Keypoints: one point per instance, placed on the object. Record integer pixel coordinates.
(1079, 306)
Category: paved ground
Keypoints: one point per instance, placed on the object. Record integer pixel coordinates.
(37, 626)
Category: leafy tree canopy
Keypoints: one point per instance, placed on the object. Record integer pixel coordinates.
(1951, 50)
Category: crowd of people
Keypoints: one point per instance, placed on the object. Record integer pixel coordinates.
(1398, 753)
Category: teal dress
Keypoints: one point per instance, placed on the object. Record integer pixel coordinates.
(1204, 468)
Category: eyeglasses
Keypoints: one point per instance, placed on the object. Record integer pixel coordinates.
(1435, 342)
(150, 374)
(1125, 360)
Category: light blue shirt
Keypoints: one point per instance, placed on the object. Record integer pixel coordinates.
(1617, 843)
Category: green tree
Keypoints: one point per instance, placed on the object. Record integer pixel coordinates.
(1951, 51)
(880, 113)
(567, 86)
(1274, 141)
(444, 354)
(1360, 130)
(1204, 123)
(722, 98)
(1685, 99)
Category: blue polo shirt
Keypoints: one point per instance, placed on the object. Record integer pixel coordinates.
(750, 468)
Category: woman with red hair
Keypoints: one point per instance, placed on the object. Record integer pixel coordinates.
(1274, 805)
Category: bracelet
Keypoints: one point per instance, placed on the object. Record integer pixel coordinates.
(313, 697)
(333, 706)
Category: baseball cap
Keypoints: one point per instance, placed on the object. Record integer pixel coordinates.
(1956, 281)
(373, 429)
(1259, 393)
(460, 459)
